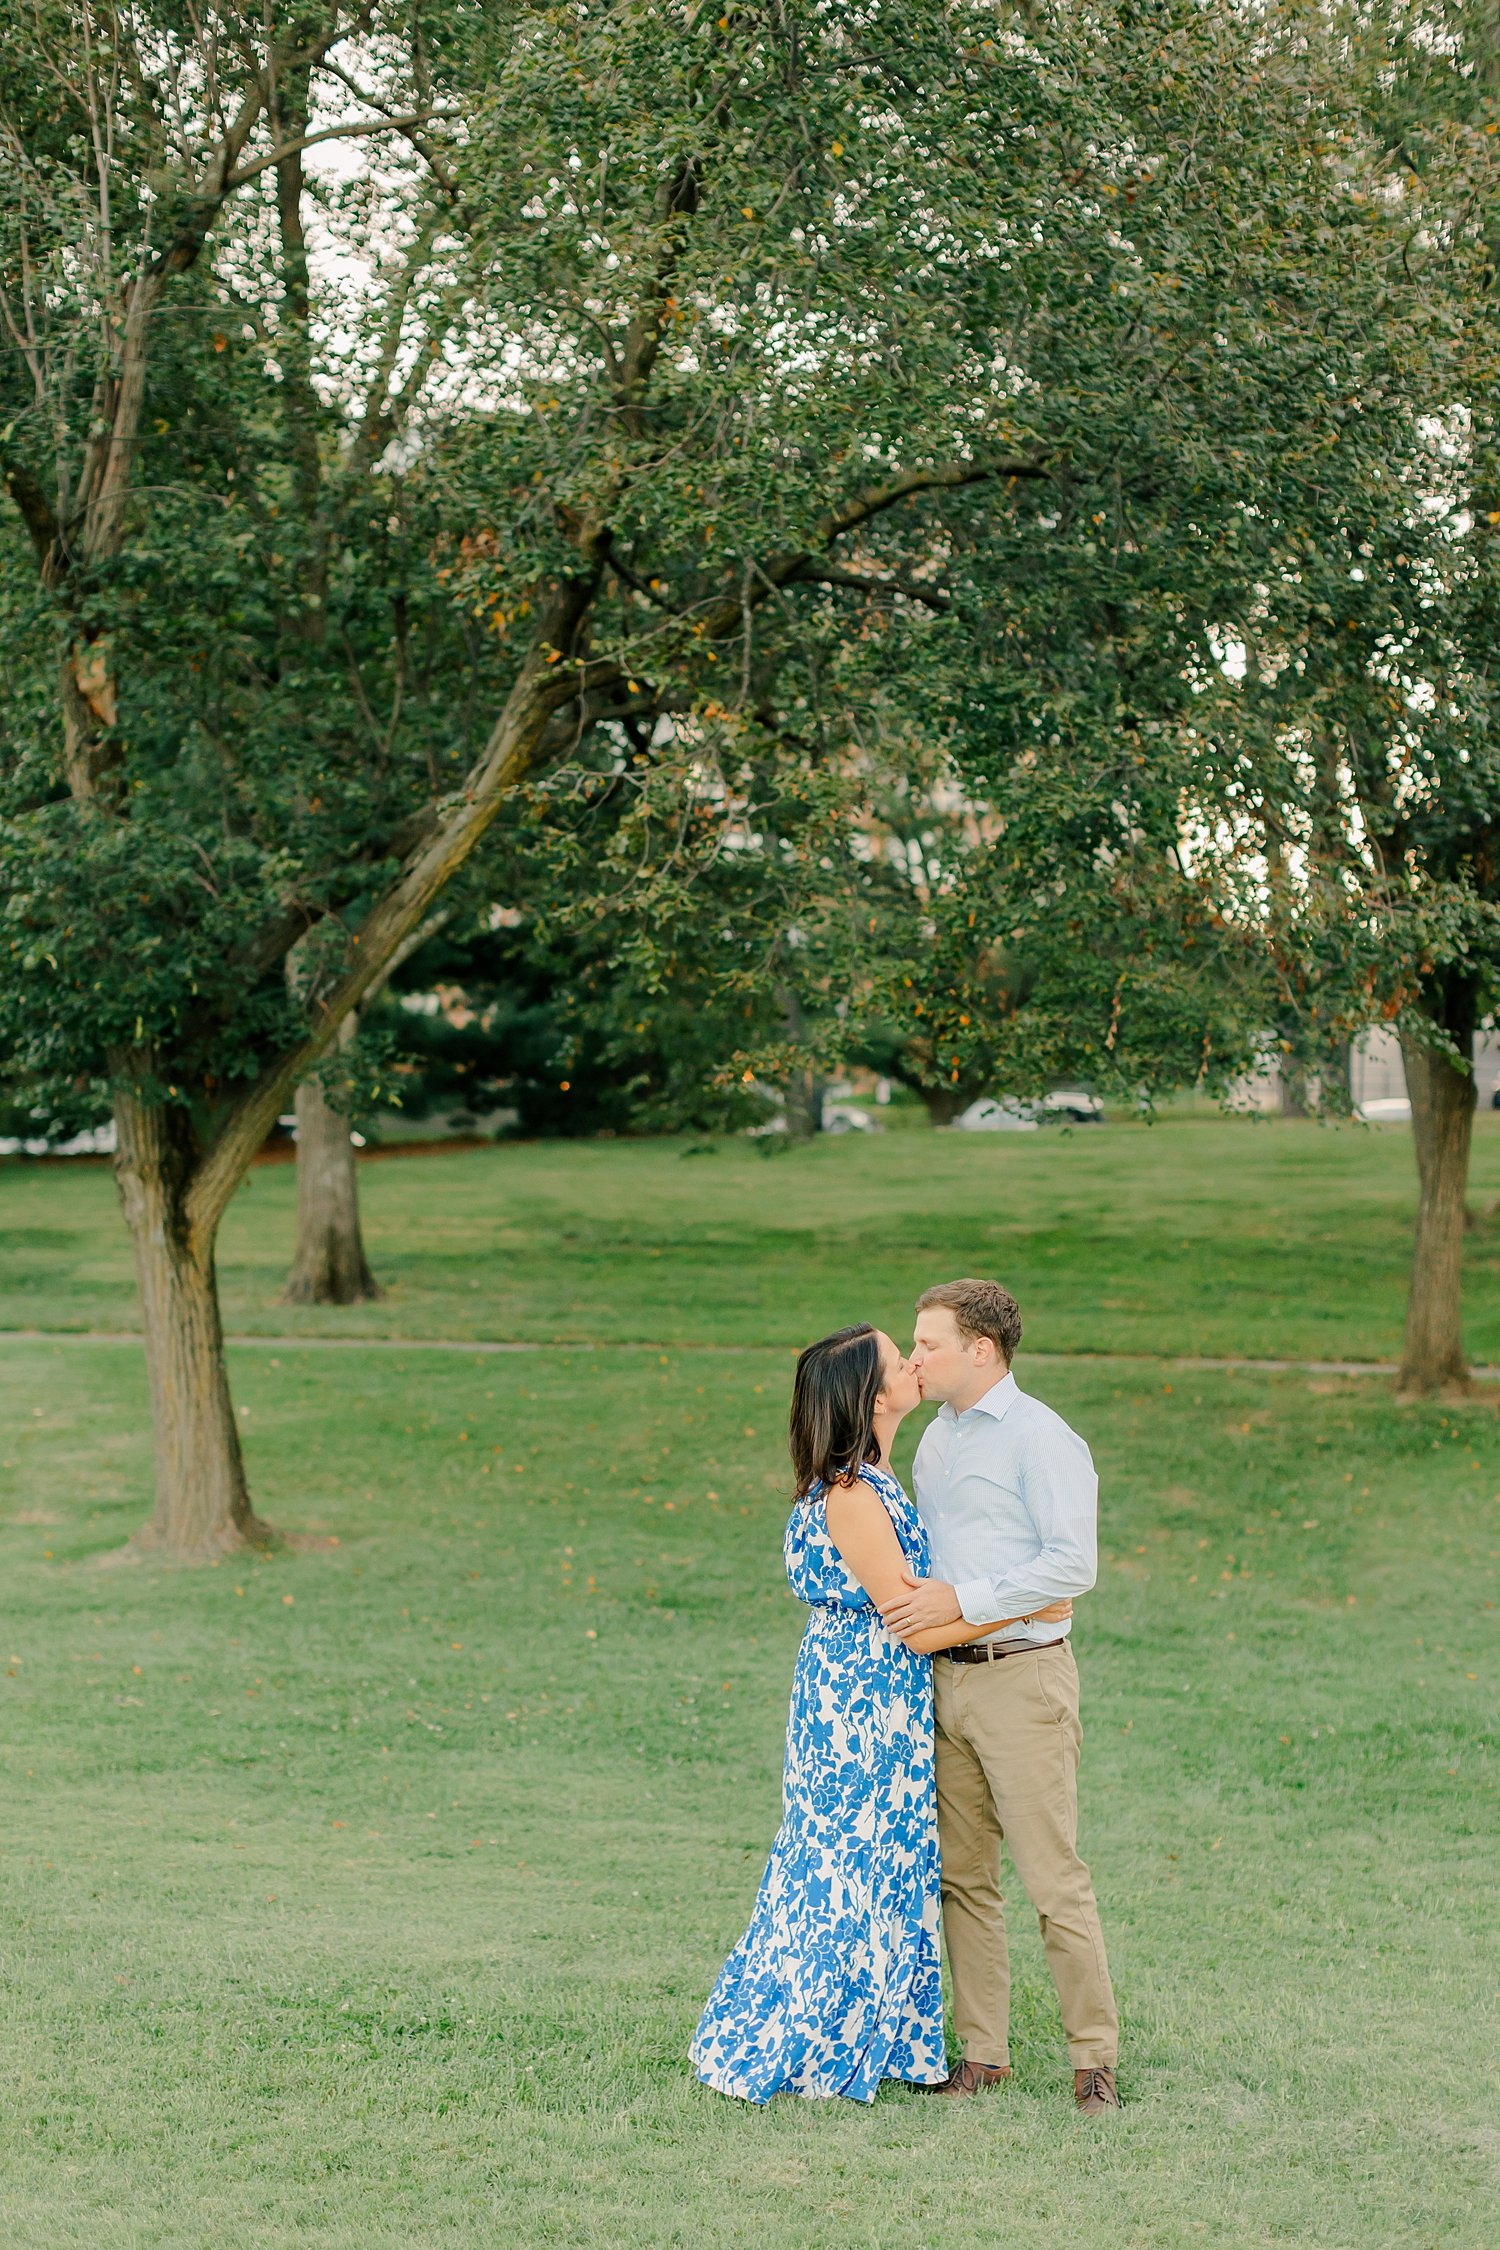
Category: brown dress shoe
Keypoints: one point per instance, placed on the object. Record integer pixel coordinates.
(971, 2078)
(1095, 2090)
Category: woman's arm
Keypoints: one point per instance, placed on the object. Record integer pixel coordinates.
(866, 1540)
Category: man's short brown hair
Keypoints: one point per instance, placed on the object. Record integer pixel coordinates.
(980, 1308)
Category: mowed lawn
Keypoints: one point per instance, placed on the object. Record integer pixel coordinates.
(1277, 1238)
(366, 1896)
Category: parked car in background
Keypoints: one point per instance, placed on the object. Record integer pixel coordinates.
(838, 1117)
(1388, 1109)
(990, 1116)
(848, 1117)
(1074, 1106)
(1005, 1113)
(95, 1140)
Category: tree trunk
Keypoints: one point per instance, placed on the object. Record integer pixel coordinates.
(1442, 1115)
(202, 1501)
(330, 1267)
(804, 1104)
(944, 1103)
(805, 1081)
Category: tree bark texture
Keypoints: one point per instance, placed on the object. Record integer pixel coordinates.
(1442, 1115)
(944, 1103)
(1292, 1087)
(804, 1103)
(202, 1501)
(330, 1266)
(805, 1081)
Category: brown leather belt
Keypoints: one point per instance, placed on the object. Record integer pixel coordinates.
(985, 1652)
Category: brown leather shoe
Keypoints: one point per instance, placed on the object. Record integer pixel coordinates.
(972, 2078)
(1095, 2091)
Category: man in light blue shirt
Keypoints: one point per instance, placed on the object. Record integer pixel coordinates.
(1010, 1499)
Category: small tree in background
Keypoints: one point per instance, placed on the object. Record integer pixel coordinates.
(330, 1266)
(1399, 798)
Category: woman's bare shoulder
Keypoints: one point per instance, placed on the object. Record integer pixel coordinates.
(867, 1488)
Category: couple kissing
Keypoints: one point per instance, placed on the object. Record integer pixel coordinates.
(934, 1712)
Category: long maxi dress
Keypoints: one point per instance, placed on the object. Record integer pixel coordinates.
(836, 1983)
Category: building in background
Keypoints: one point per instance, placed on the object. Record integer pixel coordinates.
(1376, 1075)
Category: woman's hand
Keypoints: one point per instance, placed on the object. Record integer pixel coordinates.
(925, 1605)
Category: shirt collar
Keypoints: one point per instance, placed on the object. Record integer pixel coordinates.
(999, 1398)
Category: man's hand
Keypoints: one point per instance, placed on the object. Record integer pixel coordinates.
(930, 1602)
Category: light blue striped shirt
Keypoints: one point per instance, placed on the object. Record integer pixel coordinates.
(1011, 1502)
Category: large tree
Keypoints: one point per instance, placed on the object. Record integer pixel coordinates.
(632, 346)
(1345, 796)
(1403, 805)
(1235, 714)
(352, 497)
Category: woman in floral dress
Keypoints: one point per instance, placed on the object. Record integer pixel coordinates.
(835, 1985)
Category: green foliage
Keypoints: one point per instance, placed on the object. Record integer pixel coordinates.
(563, 1033)
(238, 636)
(775, 364)
(789, 411)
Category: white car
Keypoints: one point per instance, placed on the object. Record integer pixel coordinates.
(1072, 1103)
(845, 1117)
(1006, 1114)
(1389, 1109)
(987, 1116)
(94, 1140)
(838, 1117)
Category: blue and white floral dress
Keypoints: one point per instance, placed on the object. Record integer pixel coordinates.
(836, 1983)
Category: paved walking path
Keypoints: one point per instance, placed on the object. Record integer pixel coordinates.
(1188, 1362)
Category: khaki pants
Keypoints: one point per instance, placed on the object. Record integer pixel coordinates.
(1008, 1740)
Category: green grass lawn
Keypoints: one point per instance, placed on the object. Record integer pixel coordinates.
(1196, 1234)
(366, 1896)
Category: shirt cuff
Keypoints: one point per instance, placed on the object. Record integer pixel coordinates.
(973, 1598)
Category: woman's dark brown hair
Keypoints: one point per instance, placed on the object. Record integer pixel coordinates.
(832, 1430)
